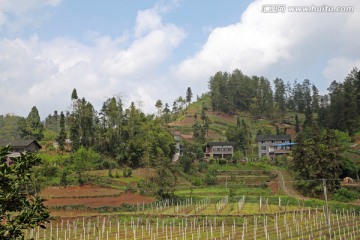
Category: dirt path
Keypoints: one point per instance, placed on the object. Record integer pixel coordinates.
(287, 187)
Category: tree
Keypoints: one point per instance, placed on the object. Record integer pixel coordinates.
(62, 134)
(189, 95)
(84, 160)
(81, 124)
(279, 96)
(9, 127)
(255, 109)
(18, 210)
(181, 103)
(74, 95)
(297, 124)
(166, 112)
(165, 182)
(316, 156)
(63, 178)
(200, 128)
(159, 106)
(315, 101)
(31, 127)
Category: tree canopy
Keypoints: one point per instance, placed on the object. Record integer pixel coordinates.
(315, 157)
(18, 210)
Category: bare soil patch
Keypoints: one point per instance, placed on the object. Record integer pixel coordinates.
(144, 172)
(79, 192)
(274, 185)
(94, 202)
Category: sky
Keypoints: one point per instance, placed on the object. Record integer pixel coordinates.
(145, 50)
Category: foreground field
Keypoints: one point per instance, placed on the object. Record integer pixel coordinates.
(241, 207)
(296, 224)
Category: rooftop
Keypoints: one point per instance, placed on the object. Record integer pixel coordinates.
(18, 143)
(221, 143)
(285, 137)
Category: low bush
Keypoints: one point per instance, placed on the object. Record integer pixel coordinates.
(127, 172)
(346, 195)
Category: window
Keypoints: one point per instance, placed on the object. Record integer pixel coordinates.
(263, 147)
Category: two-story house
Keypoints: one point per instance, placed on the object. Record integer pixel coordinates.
(273, 145)
(219, 149)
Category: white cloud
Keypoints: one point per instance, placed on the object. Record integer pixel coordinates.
(146, 21)
(338, 68)
(273, 44)
(152, 44)
(43, 73)
(15, 14)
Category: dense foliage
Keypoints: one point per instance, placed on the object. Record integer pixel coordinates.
(18, 210)
(317, 157)
(339, 109)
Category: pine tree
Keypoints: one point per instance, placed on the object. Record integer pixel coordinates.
(31, 127)
(62, 134)
(74, 95)
(189, 95)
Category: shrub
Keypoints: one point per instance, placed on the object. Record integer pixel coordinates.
(222, 161)
(127, 172)
(346, 195)
(210, 178)
(196, 181)
(110, 175)
(130, 188)
(203, 167)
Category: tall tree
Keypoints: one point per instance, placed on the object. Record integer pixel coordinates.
(159, 106)
(166, 112)
(315, 102)
(265, 97)
(255, 109)
(280, 96)
(74, 95)
(62, 134)
(81, 122)
(189, 95)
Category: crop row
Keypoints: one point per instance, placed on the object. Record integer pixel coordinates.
(300, 224)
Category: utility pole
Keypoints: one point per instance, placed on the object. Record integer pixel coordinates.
(327, 207)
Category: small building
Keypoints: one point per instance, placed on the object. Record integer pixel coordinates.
(272, 146)
(178, 148)
(219, 149)
(21, 146)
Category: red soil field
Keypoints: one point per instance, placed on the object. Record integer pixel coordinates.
(94, 202)
(79, 191)
(90, 196)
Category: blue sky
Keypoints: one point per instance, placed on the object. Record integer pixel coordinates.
(148, 50)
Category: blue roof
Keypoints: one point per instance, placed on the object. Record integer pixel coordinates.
(285, 144)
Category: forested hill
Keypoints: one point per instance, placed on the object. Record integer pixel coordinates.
(234, 99)
(338, 109)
